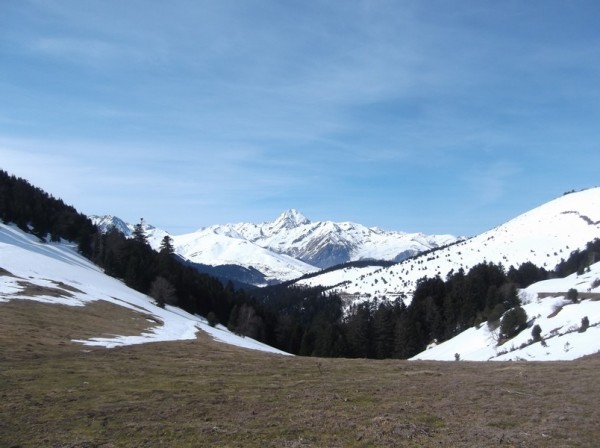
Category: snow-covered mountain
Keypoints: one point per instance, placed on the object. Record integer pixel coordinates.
(543, 236)
(289, 247)
(57, 273)
(326, 243)
(214, 247)
(108, 222)
(563, 336)
(217, 246)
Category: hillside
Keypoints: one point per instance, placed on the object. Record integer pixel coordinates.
(546, 305)
(543, 236)
(56, 273)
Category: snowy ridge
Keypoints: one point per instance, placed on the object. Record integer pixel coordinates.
(218, 247)
(559, 319)
(326, 243)
(109, 222)
(543, 236)
(26, 261)
(289, 247)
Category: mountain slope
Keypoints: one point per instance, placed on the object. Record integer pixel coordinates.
(55, 273)
(546, 305)
(543, 236)
(215, 247)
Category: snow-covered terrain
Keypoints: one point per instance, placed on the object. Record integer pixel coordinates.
(24, 261)
(546, 305)
(543, 236)
(325, 243)
(288, 247)
(153, 234)
(215, 247)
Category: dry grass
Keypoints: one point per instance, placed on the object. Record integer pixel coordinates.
(201, 393)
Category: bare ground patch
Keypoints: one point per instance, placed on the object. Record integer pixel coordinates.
(34, 329)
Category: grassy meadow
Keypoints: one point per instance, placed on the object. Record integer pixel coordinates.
(56, 393)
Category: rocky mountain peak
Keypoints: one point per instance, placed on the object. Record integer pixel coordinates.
(290, 219)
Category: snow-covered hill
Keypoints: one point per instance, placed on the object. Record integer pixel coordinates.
(543, 236)
(288, 247)
(214, 247)
(58, 274)
(546, 305)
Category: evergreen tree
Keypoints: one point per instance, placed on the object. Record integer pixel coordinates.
(359, 332)
(139, 235)
(166, 245)
(383, 332)
(536, 333)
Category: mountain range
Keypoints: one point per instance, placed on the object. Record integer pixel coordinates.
(56, 273)
(40, 259)
(288, 247)
(543, 236)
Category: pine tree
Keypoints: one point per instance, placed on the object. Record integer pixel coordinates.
(536, 333)
(383, 329)
(166, 245)
(139, 234)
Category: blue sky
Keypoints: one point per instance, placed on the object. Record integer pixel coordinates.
(433, 116)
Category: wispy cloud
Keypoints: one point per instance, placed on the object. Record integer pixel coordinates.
(232, 105)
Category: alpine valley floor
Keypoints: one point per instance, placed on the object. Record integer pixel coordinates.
(194, 393)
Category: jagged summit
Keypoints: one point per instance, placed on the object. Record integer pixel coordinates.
(108, 222)
(290, 219)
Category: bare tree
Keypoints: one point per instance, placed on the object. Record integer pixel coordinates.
(163, 292)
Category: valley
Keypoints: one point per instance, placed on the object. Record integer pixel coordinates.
(204, 393)
(87, 361)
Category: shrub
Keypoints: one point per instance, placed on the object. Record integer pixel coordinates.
(495, 314)
(513, 322)
(573, 295)
(585, 323)
(536, 333)
(212, 319)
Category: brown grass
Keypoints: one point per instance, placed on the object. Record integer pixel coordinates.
(202, 393)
